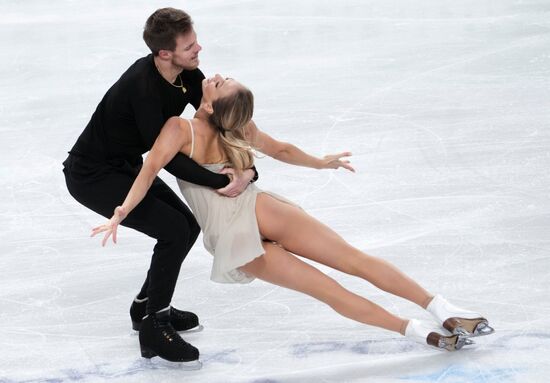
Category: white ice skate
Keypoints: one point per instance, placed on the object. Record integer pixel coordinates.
(429, 334)
(458, 321)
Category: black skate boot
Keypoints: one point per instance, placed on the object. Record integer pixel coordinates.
(157, 337)
(181, 320)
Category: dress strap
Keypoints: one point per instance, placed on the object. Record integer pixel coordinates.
(192, 139)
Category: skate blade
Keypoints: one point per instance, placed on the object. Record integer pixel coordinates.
(449, 343)
(155, 360)
(137, 325)
(184, 366)
(198, 328)
(468, 327)
(149, 354)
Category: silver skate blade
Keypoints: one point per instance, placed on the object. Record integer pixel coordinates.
(460, 342)
(483, 329)
(468, 327)
(464, 341)
(198, 328)
(157, 362)
(452, 342)
(190, 366)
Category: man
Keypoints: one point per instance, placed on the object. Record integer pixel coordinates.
(106, 158)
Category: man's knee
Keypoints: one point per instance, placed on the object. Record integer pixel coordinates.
(179, 232)
(194, 230)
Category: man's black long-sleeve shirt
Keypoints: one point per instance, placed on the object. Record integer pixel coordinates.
(130, 116)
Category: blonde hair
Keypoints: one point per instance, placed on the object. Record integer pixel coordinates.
(230, 115)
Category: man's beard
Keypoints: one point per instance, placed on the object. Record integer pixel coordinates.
(190, 65)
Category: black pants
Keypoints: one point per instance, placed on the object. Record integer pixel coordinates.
(161, 215)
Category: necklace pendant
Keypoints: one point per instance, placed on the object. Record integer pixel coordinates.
(183, 89)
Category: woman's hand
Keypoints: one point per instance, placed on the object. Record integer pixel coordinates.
(334, 161)
(111, 226)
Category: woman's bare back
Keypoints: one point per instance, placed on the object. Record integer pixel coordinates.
(203, 145)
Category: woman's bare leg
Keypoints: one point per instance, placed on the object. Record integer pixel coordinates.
(303, 235)
(279, 267)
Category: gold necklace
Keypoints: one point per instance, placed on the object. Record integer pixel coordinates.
(183, 89)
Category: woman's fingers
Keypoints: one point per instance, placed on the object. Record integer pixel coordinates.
(340, 155)
(105, 238)
(98, 229)
(337, 157)
(110, 227)
(346, 165)
(335, 161)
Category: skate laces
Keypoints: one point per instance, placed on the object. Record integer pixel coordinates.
(167, 330)
(170, 334)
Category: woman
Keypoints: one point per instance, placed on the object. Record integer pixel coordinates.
(257, 234)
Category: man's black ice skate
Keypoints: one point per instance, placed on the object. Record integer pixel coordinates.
(181, 320)
(157, 337)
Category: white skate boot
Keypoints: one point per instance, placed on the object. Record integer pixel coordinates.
(458, 321)
(429, 334)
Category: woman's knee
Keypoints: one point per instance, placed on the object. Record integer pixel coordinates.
(354, 262)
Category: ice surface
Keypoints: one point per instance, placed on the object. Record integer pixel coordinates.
(445, 106)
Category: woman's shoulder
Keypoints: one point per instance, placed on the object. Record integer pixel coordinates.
(189, 129)
(177, 127)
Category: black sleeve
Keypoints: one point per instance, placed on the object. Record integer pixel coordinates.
(188, 170)
(149, 123)
(148, 116)
(195, 85)
(256, 174)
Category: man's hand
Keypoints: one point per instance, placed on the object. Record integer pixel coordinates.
(238, 183)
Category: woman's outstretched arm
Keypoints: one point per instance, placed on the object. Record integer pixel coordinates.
(169, 142)
(286, 152)
(171, 139)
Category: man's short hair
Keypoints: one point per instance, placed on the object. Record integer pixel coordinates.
(163, 27)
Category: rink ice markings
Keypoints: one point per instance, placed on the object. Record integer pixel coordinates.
(502, 306)
(432, 225)
(369, 369)
(376, 92)
(320, 346)
(254, 302)
(373, 202)
(498, 184)
(471, 375)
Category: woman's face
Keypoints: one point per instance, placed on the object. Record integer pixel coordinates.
(218, 87)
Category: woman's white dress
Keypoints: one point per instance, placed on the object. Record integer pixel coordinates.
(229, 226)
